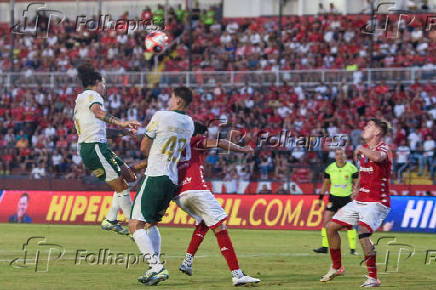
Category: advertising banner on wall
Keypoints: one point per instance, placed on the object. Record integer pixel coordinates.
(412, 214)
(90, 207)
(285, 212)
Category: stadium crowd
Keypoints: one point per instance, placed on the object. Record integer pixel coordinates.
(325, 41)
(37, 135)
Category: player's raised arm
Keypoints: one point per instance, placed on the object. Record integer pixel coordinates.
(227, 145)
(376, 156)
(108, 118)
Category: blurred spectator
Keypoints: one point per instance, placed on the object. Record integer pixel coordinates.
(294, 189)
(402, 160)
(428, 147)
(38, 170)
(264, 190)
(282, 190)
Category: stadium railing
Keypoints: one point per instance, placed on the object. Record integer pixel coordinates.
(226, 78)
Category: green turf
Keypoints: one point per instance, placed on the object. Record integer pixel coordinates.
(281, 259)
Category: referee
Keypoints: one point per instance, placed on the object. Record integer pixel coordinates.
(339, 176)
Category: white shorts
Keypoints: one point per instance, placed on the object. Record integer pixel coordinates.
(202, 206)
(367, 214)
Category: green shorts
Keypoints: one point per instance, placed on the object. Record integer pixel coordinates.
(152, 198)
(98, 158)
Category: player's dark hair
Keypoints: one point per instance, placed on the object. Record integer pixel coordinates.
(199, 128)
(88, 75)
(382, 124)
(25, 195)
(185, 94)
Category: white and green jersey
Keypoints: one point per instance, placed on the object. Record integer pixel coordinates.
(171, 131)
(89, 128)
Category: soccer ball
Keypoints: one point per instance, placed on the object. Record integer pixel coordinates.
(156, 42)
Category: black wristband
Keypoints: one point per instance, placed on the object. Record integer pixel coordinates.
(107, 118)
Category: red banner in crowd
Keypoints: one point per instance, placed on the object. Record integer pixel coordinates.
(90, 207)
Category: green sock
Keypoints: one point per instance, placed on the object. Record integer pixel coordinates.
(352, 238)
(325, 242)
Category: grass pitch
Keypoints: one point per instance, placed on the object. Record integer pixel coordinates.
(281, 259)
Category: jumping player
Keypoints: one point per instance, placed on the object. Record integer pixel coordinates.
(371, 205)
(197, 200)
(90, 120)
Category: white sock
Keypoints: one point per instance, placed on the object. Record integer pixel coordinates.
(125, 202)
(146, 247)
(154, 235)
(237, 273)
(189, 259)
(113, 212)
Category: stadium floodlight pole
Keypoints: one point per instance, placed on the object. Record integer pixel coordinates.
(190, 34)
(98, 34)
(12, 20)
(280, 32)
(371, 41)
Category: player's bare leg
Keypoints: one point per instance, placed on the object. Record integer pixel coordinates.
(327, 216)
(147, 238)
(121, 198)
(370, 257)
(334, 239)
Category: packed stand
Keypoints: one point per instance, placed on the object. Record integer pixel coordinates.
(37, 134)
(326, 41)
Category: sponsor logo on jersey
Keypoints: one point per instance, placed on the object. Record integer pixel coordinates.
(367, 169)
(187, 180)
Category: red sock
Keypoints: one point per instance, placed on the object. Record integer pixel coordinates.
(197, 237)
(371, 264)
(336, 258)
(227, 250)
